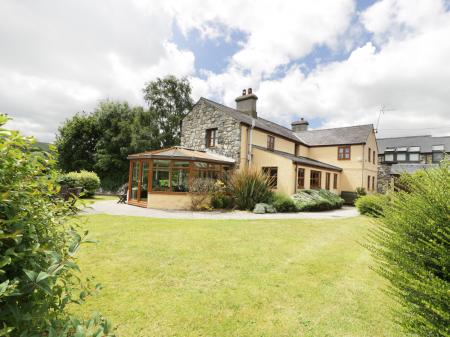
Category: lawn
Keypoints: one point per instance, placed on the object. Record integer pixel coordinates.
(235, 278)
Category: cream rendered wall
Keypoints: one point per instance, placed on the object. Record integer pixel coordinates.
(286, 169)
(370, 169)
(352, 174)
(281, 144)
(302, 150)
(169, 201)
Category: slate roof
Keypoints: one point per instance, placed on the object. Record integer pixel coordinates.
(345, 135)
(425, 143)
(260, 123)
(301, 160)
(337, 136)
(179, 152)
(410, 168)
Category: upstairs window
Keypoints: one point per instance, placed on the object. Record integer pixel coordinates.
(270, 142)
(369, 152)
(389, 154)
(211, 137)
(401, 153)
(344, 152)
(301, 178)
(437, 153)
(414, 153)
(374, 157)
(272, 173)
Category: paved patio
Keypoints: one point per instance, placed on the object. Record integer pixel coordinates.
(111, 207)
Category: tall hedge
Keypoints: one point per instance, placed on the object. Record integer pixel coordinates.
(38, 273)
(411, 244)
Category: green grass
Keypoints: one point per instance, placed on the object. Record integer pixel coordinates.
(235, 278)
(95, 198)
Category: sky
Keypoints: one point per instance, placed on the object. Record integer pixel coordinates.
(333, 62)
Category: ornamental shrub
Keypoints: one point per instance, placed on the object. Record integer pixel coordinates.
(87, 180)
(371, 205)
(411, 246)
(283, 203)
(317, 200)
(39, 276)
(249, 187)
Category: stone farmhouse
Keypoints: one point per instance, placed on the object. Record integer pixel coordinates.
(216, 138)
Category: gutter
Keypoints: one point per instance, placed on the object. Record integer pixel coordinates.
(250, 143)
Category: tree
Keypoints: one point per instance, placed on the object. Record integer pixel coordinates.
(411, 245)
(115, 120)
(169, 99)
(76, 143)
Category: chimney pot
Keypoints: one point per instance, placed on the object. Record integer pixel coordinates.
(250, 91)
(244, 92)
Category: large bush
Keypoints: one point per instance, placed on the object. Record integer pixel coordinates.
(89, 182)
(371, 205)
(411, 245)
(283, 203)
(249, 187)
(38, 273)
(317, 200)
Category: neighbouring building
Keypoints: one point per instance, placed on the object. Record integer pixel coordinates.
(408, 154)
(216, 138)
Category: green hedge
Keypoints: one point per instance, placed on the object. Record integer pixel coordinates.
(87, 180)
(283, 203)
(317, 200)
(371, 205)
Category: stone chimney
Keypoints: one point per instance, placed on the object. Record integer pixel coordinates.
(300, 125)
(247, 102)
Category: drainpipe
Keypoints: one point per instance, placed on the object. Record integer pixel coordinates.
(250, 141)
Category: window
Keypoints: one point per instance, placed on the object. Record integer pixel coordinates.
(301, 178)
(270, 142)
(373, 183)
(368, 183)
(134, 180)
(401, 156)
(335, 178)
(388, 157)
(344, 152)
(161, 176)
(437, 153)
(144, 181)
(374, 157)
(272, 173)
(314, 180)
(414, 156)
(368, 154)
(327, 180)
(211, 137)
(179, 177)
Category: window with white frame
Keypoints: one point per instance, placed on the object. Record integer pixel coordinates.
(414, 153)
(401, 153)
(389, 154)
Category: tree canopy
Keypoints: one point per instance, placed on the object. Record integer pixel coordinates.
(101, 141)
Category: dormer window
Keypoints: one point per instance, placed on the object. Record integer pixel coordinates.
(437, 153)
(414, 153)
(270, 142)
(211, 137)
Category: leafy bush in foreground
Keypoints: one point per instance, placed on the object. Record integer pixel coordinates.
(317, 200)
(88, 181)
(371, 205)
(411, 246)
(249, 187)
(38, 273)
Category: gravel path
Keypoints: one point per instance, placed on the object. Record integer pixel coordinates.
(111, 207)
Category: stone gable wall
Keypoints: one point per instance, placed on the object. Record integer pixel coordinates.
(203, 117)
(384, 178)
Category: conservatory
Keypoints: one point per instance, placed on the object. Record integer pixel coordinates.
(162, 178)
